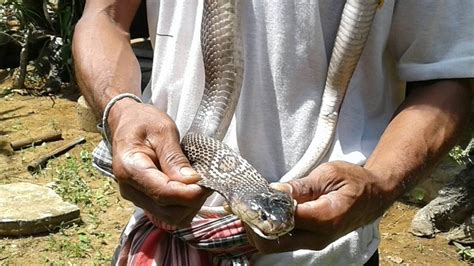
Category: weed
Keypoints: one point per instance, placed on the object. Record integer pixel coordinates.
(71, 247)
(54, 124)
(18, 126)
(69, 184)
(76, 181)
(420, 248)
(4, 261)
(466, 253)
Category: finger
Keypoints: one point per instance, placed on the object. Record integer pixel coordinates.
(180, 216)
(322, 180)
(250, 234)
(283, 187)
(316, 215)
(145, 177)
(307, 208)
(304, 189)
(297, 239)
(329, 215)
(172, 160)
(138, 198)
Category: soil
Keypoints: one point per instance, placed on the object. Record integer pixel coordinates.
(22, 116)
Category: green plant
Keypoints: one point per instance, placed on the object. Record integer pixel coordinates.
(78, 182)
(69, 184)
(71, 247)
(48, 23)
(72, 182)
(463, 156)
(466, 253)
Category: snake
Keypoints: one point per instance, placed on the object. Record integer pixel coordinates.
(267, 211)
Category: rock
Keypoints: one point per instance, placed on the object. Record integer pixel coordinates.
(27, 209)
(395, 259)
(86, 116)
(464, 233)
(453, 205)
(422, 225)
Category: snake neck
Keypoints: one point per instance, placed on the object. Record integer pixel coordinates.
(222, 51)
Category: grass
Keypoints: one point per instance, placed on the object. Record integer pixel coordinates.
(76, 181)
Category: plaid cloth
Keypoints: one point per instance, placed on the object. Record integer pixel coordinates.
(211, 238)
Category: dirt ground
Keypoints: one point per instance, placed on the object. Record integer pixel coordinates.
(105, 213)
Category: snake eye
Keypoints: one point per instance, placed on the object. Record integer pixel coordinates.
(263, 216)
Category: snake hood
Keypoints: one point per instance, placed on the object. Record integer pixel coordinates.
(269, 214)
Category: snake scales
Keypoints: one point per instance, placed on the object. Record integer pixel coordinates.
(268, 212)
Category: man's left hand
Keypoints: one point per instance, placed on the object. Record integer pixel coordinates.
(333, 200)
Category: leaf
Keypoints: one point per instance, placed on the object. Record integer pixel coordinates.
(459, 246)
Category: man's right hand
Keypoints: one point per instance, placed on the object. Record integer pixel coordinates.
(150, 167)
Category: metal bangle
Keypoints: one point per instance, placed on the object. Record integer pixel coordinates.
(105, 126)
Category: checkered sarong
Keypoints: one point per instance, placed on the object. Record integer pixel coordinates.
(210, 240)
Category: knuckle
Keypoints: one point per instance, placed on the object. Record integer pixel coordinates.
(329, 169)
(303, 188)
(158, 133)
(119, 172)
(168, 126)
(122, 167)
(126, 192)
(174, 158)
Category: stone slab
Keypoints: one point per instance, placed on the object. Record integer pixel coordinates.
(27, 209)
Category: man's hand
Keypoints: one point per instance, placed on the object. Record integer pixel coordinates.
(333, 200)
(149, 165)
(338, 197)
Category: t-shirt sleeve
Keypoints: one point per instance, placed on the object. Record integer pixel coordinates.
(433, 39)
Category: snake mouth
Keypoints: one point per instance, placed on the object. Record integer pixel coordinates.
(272, 232)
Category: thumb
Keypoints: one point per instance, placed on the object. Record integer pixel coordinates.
(175, 165)
(301, 190)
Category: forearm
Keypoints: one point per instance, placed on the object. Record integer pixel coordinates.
(103, 58)
(424, 128)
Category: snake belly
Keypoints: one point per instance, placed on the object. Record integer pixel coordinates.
(270, 213)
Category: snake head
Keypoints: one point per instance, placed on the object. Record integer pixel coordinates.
(269, 214)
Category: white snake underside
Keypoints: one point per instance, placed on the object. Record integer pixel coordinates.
(269, 212)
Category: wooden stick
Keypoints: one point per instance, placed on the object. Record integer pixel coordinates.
(40, 162)
(44, 137)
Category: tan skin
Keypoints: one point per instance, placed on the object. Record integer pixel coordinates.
(334, 199)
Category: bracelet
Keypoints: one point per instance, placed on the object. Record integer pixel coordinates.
(105, 116)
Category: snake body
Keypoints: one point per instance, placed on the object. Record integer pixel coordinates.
(270, 213)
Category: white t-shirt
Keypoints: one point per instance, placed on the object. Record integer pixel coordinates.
(287, 47)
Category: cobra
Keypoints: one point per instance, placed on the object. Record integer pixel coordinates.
(270, 213)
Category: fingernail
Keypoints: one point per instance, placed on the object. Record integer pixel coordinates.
(188, 172)
(227, 208)
(284, 187)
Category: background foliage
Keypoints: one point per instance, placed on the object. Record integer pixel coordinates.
(39, 33)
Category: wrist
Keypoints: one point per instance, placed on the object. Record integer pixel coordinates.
(113, 111)
(117, 111)
(388, 185)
